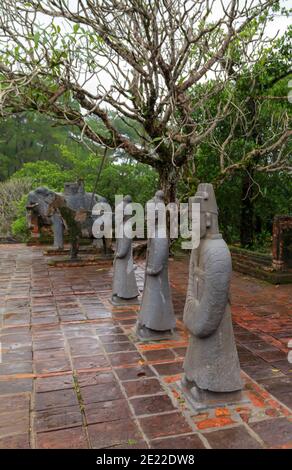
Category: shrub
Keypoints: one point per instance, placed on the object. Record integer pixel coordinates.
(12, 194)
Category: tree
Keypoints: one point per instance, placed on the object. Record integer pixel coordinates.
(30, 137)
(118, 177)
(141, 59)
(260, 117)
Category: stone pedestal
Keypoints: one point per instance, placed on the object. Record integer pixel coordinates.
(199, 400)
(118, 301)
(146, 334)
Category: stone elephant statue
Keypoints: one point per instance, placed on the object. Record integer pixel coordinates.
(42, 210)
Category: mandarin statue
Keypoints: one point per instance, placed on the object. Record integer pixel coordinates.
(156, 318)
(211, 364)
(124, 288)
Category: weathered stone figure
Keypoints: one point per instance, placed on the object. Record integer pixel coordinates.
(103, 244)
(124, 288)
(211, 363)
(76, 199)
(37, 210)
(156, 317)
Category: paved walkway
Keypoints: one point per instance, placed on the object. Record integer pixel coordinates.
(73, 376)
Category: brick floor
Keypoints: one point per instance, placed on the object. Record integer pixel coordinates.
(73, 376)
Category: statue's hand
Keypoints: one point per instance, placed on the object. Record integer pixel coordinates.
(189, 314)
(152, 271)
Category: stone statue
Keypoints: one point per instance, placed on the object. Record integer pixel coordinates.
(37, 212)
(211, 364)
(156, 318)
(58, 205)
(78, 200)
(124, 289)
(103, 244)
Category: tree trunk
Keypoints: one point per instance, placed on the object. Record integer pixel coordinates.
(168, 178)
(247, 211)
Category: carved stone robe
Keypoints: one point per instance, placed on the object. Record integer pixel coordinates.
(211, 360)
(156, 310)
(124, 279)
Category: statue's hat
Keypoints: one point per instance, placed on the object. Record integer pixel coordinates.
(205, 196)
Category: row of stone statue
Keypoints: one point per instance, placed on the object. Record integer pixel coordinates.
(211, 364)
(212, 370)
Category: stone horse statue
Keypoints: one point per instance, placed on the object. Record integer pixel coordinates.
(71, 210)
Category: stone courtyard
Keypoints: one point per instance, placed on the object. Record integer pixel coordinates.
(73, 375)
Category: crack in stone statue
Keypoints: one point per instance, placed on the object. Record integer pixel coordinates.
(124, 288)
(156, 319)
(212, 370)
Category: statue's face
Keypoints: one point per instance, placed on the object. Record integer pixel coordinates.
(205, 223)
(38, 201)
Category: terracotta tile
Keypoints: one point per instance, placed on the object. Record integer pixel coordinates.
(59, 382)
(113, 338)
(106, 411)
(54, 399)
(125, 358)
(190, 441)
(94, 378)
(214, 422)
(14, 402)
(119, 347)
(58, 418)
(48, 355)
(137, 372)
(132, 444)
(16, 368)
(261, 371)
(234, 438)
(90, 362)
(151, 405)
(14, 422)
(274, 432)
(277, 385)
(262, 324)
(73, 438)
(52, 365)
(181, 352)
(15, 386)
(19, 441)
(285, 398)
(142, 387)
(108, 330)
(273, 356)
(159, 354)
(105, 435)
(164, 425)
(17, 356)
(84, 347)
(101, 392)
(170, 368)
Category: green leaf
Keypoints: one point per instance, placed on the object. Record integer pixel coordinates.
(36, 39)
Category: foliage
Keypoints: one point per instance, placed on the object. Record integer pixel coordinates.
(32, 137)
(256, 189)
(11, 194)
(117, 177)
(19, 226)
(146, 62)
